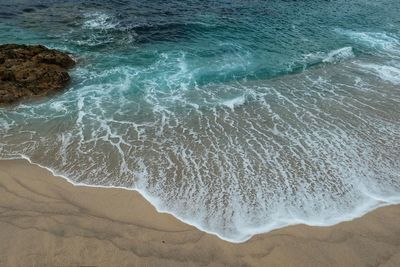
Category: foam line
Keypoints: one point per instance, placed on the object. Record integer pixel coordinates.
(359, 212)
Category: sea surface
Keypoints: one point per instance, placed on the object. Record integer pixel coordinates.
(238, 117)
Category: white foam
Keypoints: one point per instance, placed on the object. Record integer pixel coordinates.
(58, 106)
(378, 40)
(246, 233)
(99, 21)
(339, 54)
(387, 73)
(334, 56)
(234, 102)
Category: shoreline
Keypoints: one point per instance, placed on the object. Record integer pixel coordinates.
(48, 221)
(362, 211)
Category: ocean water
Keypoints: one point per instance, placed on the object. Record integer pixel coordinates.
(238, 117)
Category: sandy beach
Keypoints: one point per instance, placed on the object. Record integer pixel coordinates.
(46, 221)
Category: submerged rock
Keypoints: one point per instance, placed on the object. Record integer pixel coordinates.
(31, 70)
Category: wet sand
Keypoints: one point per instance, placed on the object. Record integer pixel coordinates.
(46, 221)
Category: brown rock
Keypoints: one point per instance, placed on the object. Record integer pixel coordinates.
(34, 70)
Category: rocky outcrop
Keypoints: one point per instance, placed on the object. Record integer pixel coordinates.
(31, 70)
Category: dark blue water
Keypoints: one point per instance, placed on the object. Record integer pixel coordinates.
(236, 116)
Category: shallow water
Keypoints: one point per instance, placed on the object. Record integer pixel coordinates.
(237, 117)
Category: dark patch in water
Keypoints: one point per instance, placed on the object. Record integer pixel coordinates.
(41, 6)
(7, 15)
(28, 10)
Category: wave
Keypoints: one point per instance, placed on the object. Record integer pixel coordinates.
(380, 41)
(385, 72)
(99, 21)
(309, 60)
(280, 222)
(234, 102)
(292, 153)
(101, 24)
(339, 55)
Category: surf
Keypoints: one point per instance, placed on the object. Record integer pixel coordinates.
(237, 126)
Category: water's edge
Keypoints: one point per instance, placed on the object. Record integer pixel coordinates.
(357, 214)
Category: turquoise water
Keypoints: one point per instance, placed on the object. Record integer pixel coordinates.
(238, 117)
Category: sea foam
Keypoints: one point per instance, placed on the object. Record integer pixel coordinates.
(380, 41)
(338, 55)
(234, 102)
(99, 21)
(387, 73)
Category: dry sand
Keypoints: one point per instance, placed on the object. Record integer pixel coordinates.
(46, 221)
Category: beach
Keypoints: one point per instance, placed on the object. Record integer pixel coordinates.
(236, 117)
(199, 133)
(47, 221)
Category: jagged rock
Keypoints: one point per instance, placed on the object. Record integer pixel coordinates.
(31, 70)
